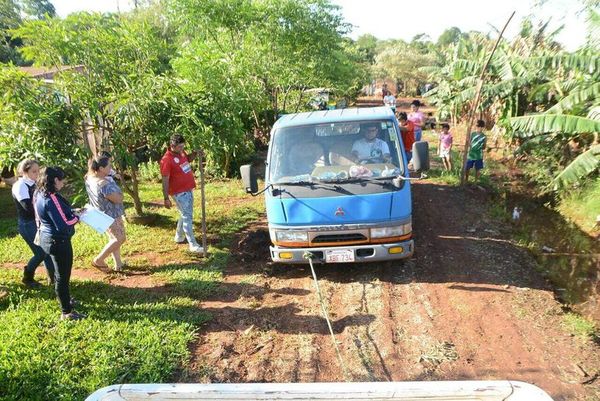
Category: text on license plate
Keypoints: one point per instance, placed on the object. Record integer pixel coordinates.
(339, 256)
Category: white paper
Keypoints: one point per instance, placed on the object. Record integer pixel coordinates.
(96, 219)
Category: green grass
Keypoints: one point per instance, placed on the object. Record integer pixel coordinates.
(131, 334)
(439, 175)
(583, 206)
(579, 326)
(228, 210)
(499, 212)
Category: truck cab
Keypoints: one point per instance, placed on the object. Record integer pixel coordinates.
(337, 187)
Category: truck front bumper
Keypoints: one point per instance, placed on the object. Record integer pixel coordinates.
(362, 253)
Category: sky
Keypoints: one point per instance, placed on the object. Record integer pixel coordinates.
(400, 19)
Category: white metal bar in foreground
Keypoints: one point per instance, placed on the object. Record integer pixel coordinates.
(501, 390)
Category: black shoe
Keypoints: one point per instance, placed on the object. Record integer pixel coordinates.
(72, 316)
(29, 281)
(34, 285)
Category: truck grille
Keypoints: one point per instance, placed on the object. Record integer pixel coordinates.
(325, 238)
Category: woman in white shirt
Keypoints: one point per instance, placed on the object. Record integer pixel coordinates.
(22, 194)
(390, 101)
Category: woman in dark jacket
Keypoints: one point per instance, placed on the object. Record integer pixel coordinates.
(57, 221)
(22, 193)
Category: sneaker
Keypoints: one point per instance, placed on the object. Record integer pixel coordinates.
(196, 248)
(180, 240)
(32, 284)
(72, 316)
(29, 280)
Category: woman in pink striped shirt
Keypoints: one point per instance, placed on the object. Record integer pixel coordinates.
(417, 117)
(56, 227)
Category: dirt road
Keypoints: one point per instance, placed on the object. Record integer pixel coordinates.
(469, 305)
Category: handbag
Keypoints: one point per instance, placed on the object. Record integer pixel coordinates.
(36, 239)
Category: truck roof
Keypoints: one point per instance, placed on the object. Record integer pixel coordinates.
(334, 116)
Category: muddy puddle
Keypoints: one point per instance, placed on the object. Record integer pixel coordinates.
(568, 256)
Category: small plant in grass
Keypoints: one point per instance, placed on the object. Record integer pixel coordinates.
(499, 212)
(579, 326)
(130, 335)
(190, 279)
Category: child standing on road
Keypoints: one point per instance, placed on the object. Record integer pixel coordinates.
(475, 156)
(445, 146)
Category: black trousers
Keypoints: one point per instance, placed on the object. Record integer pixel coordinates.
(61, 254)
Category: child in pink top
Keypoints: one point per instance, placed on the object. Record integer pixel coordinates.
(445, 145)
(417, 117)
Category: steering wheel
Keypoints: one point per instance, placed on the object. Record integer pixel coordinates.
(371, 160)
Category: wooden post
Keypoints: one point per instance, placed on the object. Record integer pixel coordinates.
(475, 104)
(203, 200)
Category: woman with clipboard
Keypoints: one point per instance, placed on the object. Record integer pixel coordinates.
(106, 196)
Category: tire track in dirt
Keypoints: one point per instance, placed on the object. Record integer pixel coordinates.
(478, 316)
(366, 345)
(468, 305)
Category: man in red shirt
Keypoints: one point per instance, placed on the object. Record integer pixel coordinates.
(407, 130)
(178, 181)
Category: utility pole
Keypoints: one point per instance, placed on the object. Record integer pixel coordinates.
(475, 104)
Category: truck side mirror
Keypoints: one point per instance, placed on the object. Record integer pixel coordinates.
(420, 157)
(249, 179)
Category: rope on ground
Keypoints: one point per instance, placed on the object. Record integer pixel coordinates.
(310, 257)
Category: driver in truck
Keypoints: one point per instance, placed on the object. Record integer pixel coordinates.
(370, 149)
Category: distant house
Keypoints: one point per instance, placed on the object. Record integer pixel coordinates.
(47, 73)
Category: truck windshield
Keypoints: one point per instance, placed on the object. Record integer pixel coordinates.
(335, 152)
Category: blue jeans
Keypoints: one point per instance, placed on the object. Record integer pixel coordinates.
(28, 229)
(61, 254)
(185, 224)
(418, 133)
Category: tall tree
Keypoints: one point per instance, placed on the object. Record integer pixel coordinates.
(274, 49)
(39, 9)
(10, 18)
(121, 57)
(35, 121)
(367, 46)
(449, 36)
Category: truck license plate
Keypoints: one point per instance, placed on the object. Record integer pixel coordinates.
(339, 256)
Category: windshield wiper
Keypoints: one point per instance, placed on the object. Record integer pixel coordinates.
(300, 183)
(305, 183)
(379, 180)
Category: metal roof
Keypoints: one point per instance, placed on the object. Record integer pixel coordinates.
(334, 116)
(50, 72)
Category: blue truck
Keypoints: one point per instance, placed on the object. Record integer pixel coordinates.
(337, 187)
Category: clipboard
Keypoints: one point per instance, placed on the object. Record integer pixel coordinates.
(96, 219)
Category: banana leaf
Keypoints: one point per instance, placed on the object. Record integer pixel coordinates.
(582, 166)
(544, 123)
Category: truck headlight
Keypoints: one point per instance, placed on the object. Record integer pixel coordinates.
(393, 231)
(291, 236)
